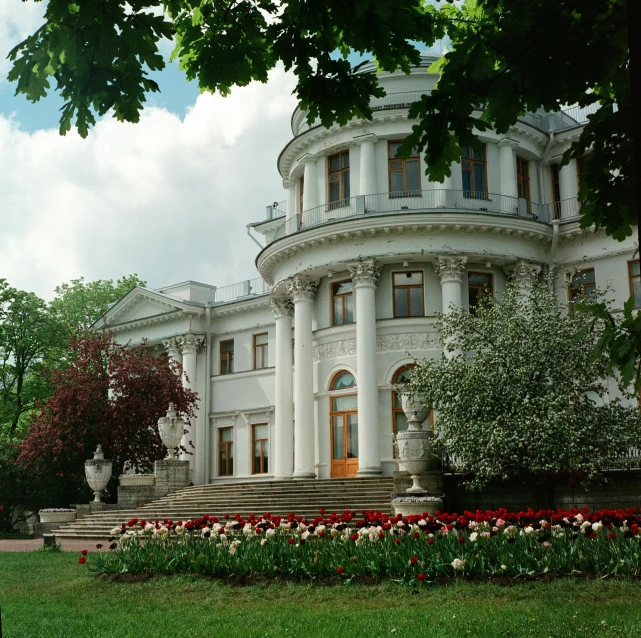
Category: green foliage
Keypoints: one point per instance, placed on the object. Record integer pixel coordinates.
(619, 339)
(79, 305)
(520, 395)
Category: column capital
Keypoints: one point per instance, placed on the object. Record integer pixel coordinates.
(307, 159)
(522, 273)
(191, 343)
(361, 139)
(364, 273)
(506, 141)
(301, 289)
(450, 269)
(289, 183)
(172, 347)
(282, 306)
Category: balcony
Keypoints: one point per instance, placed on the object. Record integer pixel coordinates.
(429, 201)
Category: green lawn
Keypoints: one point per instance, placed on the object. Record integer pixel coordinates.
(50, 595)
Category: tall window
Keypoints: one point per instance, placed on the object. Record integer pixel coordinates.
(342, 302)
(225, 451)
(582, 285)
(300, 193)
(404, 172)
(338, 179)
(474, 170)
(260, 447)
(408, 294)
(479, 285)
(260, 351)
(634, 274)
(344, 426)
(523, 180)
(556, 190)
(227, 356)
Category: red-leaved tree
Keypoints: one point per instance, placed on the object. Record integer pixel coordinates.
(111, 395)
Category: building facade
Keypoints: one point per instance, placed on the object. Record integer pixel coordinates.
(296, 369)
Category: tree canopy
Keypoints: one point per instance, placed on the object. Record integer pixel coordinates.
(518, 395)
(506, 57)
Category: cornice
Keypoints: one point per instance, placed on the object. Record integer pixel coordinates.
(240, 307)
(149, 321)
(263, 372)
(390, 225)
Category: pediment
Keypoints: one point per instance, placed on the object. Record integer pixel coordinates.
(141, 304)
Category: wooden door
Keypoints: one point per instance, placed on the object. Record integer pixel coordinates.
(344, 436)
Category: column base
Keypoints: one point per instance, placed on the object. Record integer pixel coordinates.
(366, 472)
(303, 475)
(283, 478)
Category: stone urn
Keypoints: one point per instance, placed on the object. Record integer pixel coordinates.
(415, 443)
(98, 473)
(171, 428)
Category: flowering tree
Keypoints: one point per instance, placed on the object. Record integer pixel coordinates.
(111, 395)
(517, 393)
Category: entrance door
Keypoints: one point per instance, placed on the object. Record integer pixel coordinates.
(344, 436)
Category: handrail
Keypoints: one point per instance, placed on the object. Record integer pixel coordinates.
(429, 201)
(256, 286)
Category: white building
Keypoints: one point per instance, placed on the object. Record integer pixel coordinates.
(295, 370)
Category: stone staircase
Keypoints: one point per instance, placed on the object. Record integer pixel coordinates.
(305, 498)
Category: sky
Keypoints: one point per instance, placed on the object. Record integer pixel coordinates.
(168, 198)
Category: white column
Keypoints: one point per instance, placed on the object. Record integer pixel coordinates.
(365, 275)
(508, 167)
(283, 310)
(173, 349)
(302, 293)
(290, 185)
(568, 189)
(449, 270)
(310, 195)
(191, 344)
(367, 174)
(523, 274)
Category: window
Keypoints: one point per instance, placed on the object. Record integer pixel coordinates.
(474, 170)
(479, 285)
(343, 426)
(225, 451)
(342, 302)
(408, 294)
(338, 179)
(580, 169)
(634, 274)
(556, 191)
(227, 356)
(260, 439)
(300, 194)
(260, 351)
(523, 180)
(342, 380)
(404, 172)
(582, 285)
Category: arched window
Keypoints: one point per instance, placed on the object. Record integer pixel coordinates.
(343, 415)
(342, 380)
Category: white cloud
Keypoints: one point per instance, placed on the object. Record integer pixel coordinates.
(165, 198)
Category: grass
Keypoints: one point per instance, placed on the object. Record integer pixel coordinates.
(50, 595)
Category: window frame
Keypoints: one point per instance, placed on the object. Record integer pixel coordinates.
(226, 356)
(229, 445)
(301, 192)
(342, 200)
(580, 287)
(632, 277)
(471, 308)
(475, 193)
(263, 348)
(344, 302)
(264, 446)
(406, 192)
(523, 181)
(408, 296)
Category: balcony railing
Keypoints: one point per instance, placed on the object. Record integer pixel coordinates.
(257, 286)
(557, 121)
(429, 201)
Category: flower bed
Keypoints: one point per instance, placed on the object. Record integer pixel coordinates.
(414, 548)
